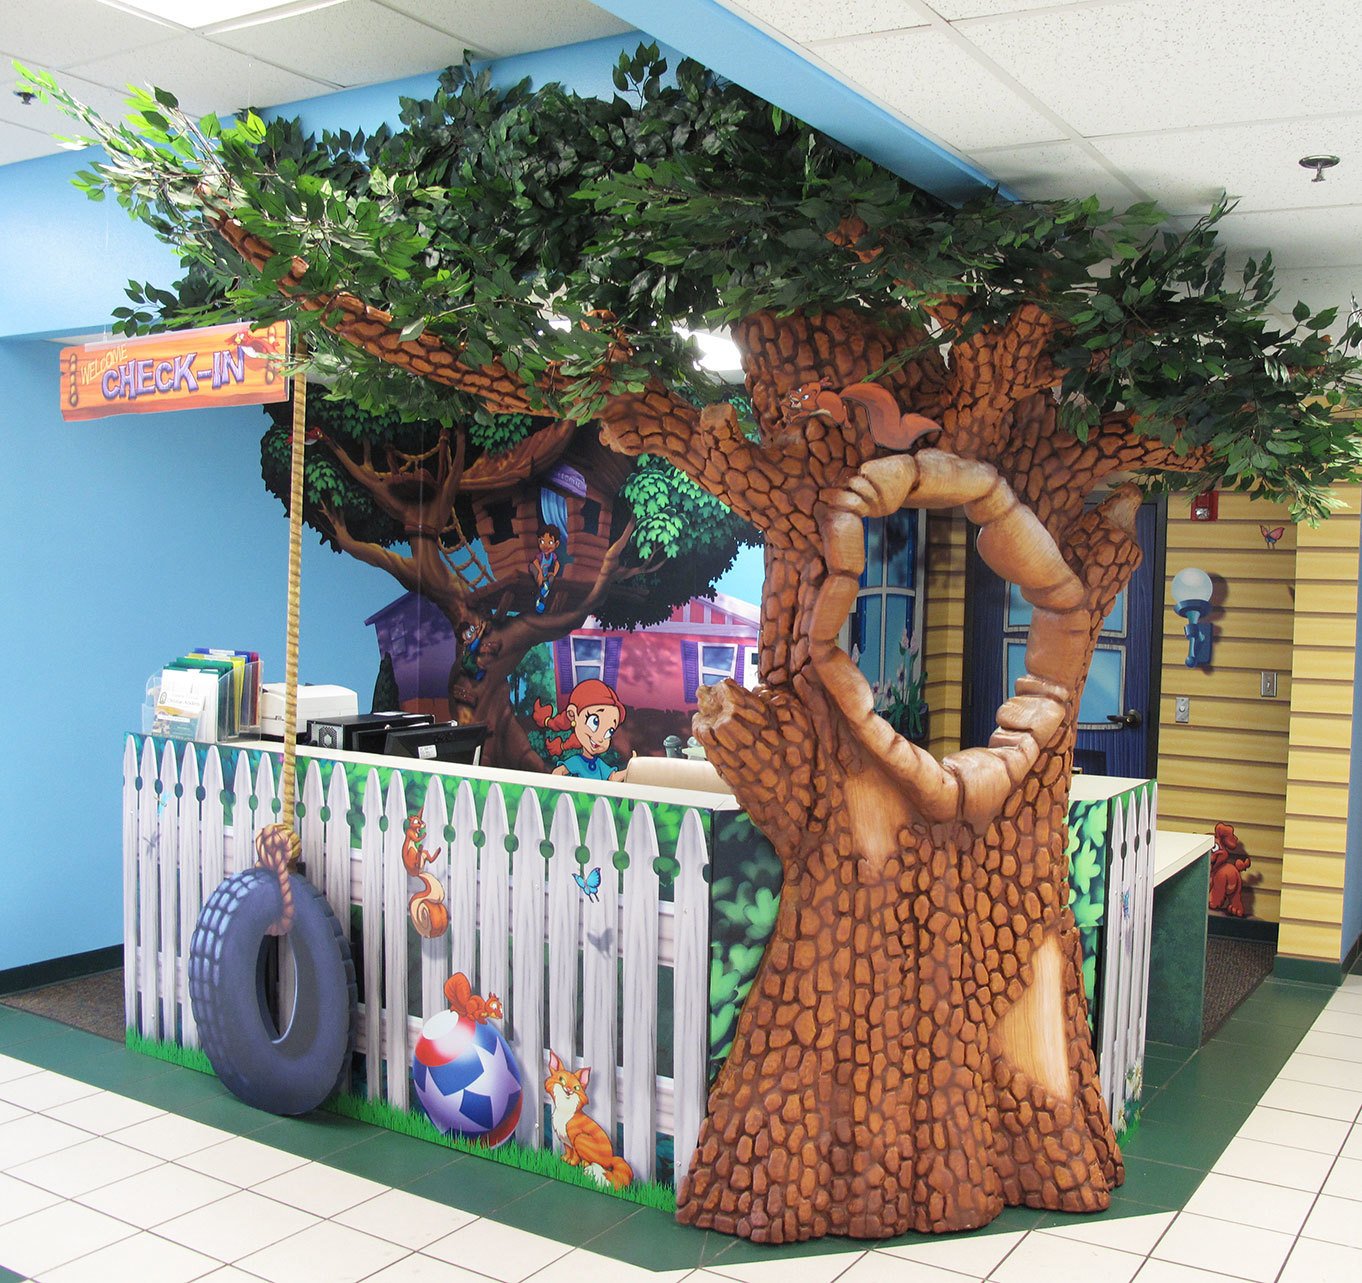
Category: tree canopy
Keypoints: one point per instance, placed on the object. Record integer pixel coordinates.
(579, 239)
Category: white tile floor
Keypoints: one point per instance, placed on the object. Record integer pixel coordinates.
(96, 1187)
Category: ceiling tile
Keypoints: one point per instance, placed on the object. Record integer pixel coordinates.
(47, 119)
(18, 143)
(203, 76)
(1161, 64)
(1185, 170)
(827, 19)
(940, 87)
(514, 26)
(58, 33)
(1056, 171)
(354, 43)
(954, 10)
(1298, 238)
(1337, 288)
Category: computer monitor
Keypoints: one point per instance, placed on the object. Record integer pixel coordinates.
(443, 742)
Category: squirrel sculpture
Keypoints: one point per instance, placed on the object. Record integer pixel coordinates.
(1228, 862)
(584, 1141)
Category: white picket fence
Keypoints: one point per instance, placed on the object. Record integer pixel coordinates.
(1125, 970)
(508, 904)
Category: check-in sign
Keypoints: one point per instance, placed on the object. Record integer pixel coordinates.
(180, 370)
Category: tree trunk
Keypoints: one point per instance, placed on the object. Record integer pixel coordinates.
(914, 1053)
(489, 700)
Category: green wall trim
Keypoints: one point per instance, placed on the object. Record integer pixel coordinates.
(1310, 970)
(36, 974)
(1242, 928)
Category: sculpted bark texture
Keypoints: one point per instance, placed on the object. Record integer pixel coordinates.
(914, 1053)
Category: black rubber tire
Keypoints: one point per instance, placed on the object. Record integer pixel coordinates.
(294, 1071)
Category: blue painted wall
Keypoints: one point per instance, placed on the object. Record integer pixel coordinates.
(129, 540)
(134, 538)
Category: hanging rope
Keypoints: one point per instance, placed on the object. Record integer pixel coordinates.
(277, 846)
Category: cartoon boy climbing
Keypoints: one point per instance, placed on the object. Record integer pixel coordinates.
(592, 713)
(545, 566)
(470, 635)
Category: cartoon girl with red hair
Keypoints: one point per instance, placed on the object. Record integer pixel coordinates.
(592, 713)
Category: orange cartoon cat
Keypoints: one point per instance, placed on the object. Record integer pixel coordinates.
(584, 1141)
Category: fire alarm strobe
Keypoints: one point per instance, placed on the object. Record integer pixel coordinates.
(1206, 506)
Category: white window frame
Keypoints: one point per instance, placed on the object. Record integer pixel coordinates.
(884, 590)
(712, 675)
(579, 664)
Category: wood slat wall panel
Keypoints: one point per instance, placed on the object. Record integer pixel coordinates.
(945, 640)
(1319, 765)
(1229, 763)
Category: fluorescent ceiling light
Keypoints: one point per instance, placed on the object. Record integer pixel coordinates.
(197, 14)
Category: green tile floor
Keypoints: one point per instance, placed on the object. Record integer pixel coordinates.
(1195, 1103)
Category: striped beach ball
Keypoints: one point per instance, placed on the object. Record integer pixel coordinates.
(466, 1078)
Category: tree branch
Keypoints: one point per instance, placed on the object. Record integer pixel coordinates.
(971, 785)
(707, 445)
(371, 329)
(523, 460)
(990, 373)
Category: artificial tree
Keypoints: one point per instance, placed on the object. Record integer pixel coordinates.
(914, 1053)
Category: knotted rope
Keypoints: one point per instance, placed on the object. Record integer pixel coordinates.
(277, 846)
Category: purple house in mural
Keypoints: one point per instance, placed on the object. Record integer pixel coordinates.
(421, 642)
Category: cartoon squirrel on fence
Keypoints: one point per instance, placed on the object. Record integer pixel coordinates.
(584, 1141)
(429, 915)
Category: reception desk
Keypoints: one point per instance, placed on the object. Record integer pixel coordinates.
(620, 924)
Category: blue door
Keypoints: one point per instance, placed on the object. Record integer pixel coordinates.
(1118, 713)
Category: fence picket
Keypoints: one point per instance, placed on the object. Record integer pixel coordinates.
(395, 932)
(336, 840)
(371, 911)
(564, 911)
(1144, 913)
(130, 883)
(525, 1008)
(211, 836)
(191, 889)
(168, 833)
(640, 993)
(463, 884)
(311, 828)
(691, 989)
(264, 812)
(600, 965)
(1110, 979)
(435, 953)
(243, 824)
(494, 878)
(339, 859)
(148, 899)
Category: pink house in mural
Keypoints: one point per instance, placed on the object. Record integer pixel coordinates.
(660, 667)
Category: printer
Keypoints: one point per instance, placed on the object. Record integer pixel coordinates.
(315, 704)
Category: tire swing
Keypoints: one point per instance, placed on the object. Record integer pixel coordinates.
(288, 1071)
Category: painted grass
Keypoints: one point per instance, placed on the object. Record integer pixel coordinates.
(159, 1049)
(541, 1162)
(380, 1113)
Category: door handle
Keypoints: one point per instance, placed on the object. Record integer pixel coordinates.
(1130, 718)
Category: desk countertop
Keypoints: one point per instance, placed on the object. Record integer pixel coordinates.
(1174, 851)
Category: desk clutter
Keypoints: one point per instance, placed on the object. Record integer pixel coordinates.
(208, 694)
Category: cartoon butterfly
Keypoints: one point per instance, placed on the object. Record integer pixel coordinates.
(1271, 536)
(591, 884)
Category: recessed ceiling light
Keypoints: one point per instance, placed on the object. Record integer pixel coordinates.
(1319, 164)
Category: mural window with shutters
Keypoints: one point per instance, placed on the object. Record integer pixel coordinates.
(884, 632)
(704, 664)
